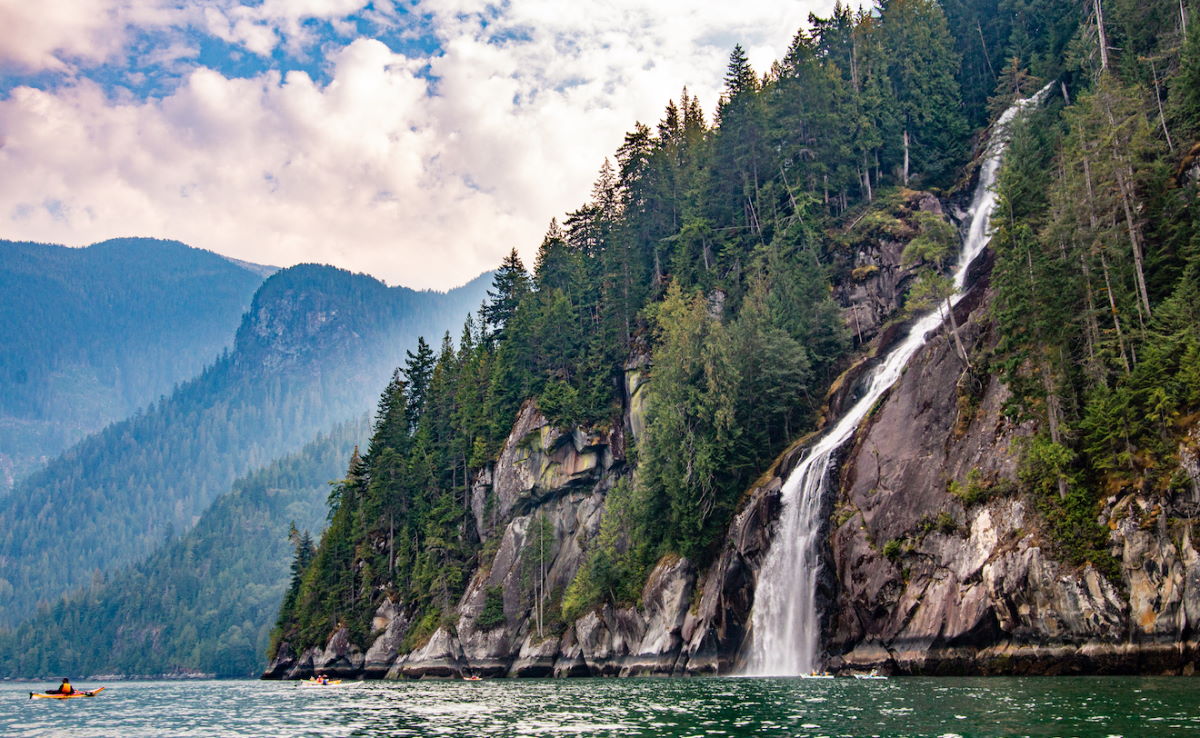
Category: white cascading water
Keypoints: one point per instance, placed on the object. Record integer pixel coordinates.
(785, 632)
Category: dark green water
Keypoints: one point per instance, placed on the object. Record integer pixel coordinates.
(699, 708)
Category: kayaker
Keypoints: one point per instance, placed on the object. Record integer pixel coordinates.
(322, 679)
(65, 687)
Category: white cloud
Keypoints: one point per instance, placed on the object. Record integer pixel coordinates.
(54, 34)
(261, 28)
(371, 171)
(58, 35)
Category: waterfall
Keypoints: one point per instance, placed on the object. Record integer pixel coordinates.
(785, 631)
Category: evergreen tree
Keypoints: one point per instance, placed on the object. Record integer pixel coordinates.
(1184, 97)
(1015, 83)
(690, 418)
(418, 371)
(922, 69)
(739, 76)
(508, 287)
(393, 414)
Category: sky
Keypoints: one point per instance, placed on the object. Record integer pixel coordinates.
(416, 141)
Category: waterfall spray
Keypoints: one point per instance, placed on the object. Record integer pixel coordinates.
(785, 628)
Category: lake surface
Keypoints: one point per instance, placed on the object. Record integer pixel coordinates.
(1076, 706)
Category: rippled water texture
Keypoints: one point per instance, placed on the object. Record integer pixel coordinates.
(1083, 706)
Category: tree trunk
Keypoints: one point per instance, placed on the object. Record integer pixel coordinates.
(1135, 244)
(1161, 117)
(464, 485)
(1053, 417)
(866, 177)
(787, 185)
(1103, 39)
(1124, 175)
(1093, 327)
(906, 156)
(958, 344)
(854, 62)
(1112, 303)
(983, 42)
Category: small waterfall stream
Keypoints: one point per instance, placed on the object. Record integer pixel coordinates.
(785, 629)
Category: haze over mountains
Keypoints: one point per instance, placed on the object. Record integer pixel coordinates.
(89, 335)
(203, 602)
(313, 349)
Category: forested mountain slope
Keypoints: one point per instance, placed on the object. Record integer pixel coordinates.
(203, 602)
(313, 345)
(588, 482)
(88, 336)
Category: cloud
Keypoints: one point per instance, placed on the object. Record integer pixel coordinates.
(63, 35)
(423, 170)
(53, 34)
(264, 27)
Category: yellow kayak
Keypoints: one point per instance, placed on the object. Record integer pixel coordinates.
(73, 695)
(315, 683)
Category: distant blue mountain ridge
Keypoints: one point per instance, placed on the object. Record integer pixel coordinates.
(313, 349)
(90, 335)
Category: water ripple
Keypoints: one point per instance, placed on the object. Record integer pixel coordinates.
(606, 708)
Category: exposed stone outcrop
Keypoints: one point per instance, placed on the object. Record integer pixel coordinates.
(284, 663)
(874, 291)
(1188, 171)
(540, 461)
(388, 628)
(441, 656)
(539, 506)
(665, 600)
(637, 373)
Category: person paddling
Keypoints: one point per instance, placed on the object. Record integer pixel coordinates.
(65, 692)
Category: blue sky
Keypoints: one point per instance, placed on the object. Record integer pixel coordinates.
(418, 141)
(155, 58)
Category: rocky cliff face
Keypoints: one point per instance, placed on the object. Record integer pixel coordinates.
(536, 508)
(878, 276)
(927, 583)
(933, 564)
